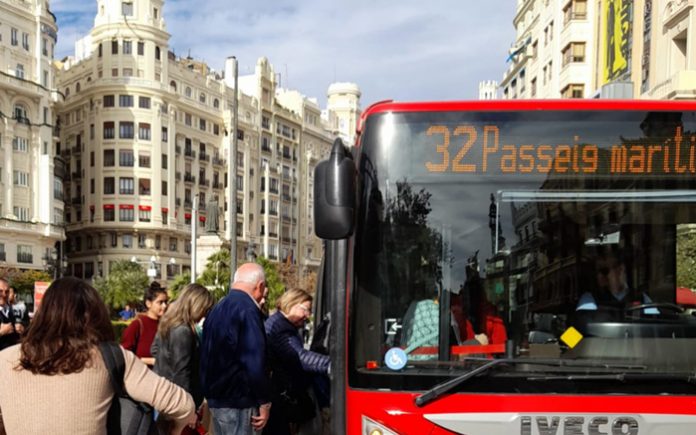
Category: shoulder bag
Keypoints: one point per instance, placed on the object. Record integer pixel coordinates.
(126, 416)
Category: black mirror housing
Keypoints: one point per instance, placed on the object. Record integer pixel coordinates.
(334, 195)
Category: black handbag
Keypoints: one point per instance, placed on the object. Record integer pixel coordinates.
(126, 416)
(299, 406)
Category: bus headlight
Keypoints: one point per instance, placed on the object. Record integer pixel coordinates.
(371, 427)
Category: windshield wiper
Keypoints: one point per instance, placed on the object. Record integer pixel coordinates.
(620, 377)
(446, 387)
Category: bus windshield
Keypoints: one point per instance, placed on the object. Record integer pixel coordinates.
(565, 235)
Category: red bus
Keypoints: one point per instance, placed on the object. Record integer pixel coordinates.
(511, 267)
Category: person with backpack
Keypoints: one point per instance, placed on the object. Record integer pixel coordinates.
(140, 334)
(59, 369)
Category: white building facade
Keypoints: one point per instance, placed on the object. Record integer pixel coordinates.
(31, 172)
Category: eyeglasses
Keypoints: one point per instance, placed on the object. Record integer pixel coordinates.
(305, 309)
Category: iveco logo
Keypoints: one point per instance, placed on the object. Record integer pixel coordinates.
(538, 425)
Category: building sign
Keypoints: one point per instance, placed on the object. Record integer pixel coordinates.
(616, 15)
(39, 290)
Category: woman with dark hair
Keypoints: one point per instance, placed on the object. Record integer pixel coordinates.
(140, 334)
(59, 370)
(176, 346)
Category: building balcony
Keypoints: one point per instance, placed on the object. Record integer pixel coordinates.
(273, 235)
(75, 151)
(266, 149)
(204, 157)
(681, 85)
(188, 203)
(204, 182)
(217, 161)
(217, 185)
(190, 153)
(77, 175)
(60, 169)
(188, 178)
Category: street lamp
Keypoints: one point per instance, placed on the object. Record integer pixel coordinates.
(152, 270)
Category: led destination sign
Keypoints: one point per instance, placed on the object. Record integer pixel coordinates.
(484, 149)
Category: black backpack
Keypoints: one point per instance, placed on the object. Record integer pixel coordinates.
(126, 416)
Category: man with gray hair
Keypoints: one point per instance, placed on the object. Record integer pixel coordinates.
(233, 369)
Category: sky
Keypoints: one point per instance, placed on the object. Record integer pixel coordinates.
(404, 50)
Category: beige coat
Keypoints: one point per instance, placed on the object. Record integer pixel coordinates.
(77, 403)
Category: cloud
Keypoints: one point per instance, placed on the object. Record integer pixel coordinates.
(393, 49)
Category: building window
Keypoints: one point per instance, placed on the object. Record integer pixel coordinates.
(110, 216)
(109, 158)
(141, 48)
(22, 213)
(126, 239)
(573, 53)
(173, 245)
(126, 215)
(126, 185)
(143, 216)
(141, 237)
(143, 160)
(201, 98)
(187, 92)
(157, 53)
(165, 161)
(25, 41)
(108, 101)
(125, 100)
(19, 71)
(164, 188)
(14, 39)
(216, 103)
(144, 102)
(21, 178)
(20, 144)
(188, 119)
(24, 254)
(108, 185)
(144, 186)
(125, 130)
(573, 91)
(127, 9)
(201, 124)
(165, 133)
(127, 47)
(109, 130)
(114, 47)
(143, 131)
(126, 158)
(575, 10)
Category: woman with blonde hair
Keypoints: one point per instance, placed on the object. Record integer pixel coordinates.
(59, 370)
(292, 365)
(176, 345)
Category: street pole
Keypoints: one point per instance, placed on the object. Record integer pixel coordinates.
(232, 177)
(194, 230)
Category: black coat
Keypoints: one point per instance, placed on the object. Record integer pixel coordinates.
(178, 359)
(9, 339)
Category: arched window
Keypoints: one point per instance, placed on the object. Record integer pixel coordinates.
(67, 91)
(172, 86)
(201, 98)
(188, 92)
(216, 103)
(20, 112)
(77, 87)
(157, 53)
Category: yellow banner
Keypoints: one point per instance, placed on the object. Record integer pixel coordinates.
(617, 31)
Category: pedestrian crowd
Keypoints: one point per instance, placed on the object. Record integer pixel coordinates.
(190, 367)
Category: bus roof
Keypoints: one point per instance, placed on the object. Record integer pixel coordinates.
(510, 105)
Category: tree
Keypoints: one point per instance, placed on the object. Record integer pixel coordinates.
(275, 285)
(125, 284)
(23, 280)
(686, 263)
(180, 281)
(216, 275)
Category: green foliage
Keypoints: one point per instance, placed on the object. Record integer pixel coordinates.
(23, 281)
(216, 275)
(126, 283)
(178, 284)
(119, 326)
(686, 260)
(275, 285)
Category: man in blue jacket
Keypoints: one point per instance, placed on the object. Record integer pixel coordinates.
(233, 356)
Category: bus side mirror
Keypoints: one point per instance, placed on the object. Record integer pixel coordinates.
(334, 194)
